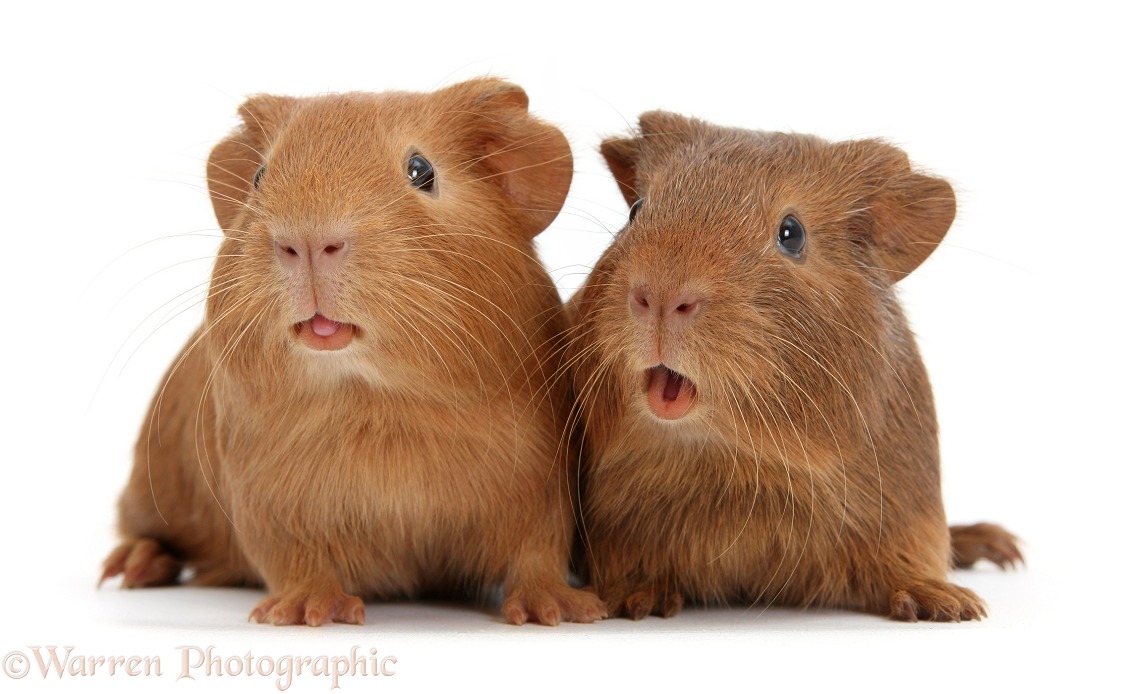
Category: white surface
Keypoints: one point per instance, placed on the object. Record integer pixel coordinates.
(110, 110)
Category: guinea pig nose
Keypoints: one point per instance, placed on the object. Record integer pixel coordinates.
(641, 302)
(321, 254)
(328, 253)
(291, 255)
(676, 309)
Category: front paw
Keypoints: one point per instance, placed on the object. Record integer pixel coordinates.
(550, 605)
(142, 562)
(311, 606)
(936, 601)
(970, 543)
(639, 601)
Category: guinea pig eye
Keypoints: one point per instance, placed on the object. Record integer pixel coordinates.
(421, 175)
(258, 176)
(636, 207)
(791, 237)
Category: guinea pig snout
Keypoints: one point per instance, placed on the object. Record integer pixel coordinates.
(658, 309)
(324, 253)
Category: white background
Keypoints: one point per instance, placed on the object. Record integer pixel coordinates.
(108, 114)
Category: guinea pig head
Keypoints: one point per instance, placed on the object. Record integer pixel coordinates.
(751, 287)
(365, 233)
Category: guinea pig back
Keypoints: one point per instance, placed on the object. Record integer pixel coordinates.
(370, 408)
(759, 426)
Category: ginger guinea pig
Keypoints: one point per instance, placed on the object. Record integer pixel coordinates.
(758, 423)
(369, 409)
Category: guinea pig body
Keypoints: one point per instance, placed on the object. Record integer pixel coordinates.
(759, 426)
(369, 409)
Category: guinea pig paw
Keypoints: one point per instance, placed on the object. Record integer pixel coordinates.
(641, 601)
(550, 606)
(936, 601)
(310, 607)
(970, 543)
(142, 562)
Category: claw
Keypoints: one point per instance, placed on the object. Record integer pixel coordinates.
(550, 606)
(311, 607)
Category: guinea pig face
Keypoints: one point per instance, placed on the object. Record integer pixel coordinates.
(750, 285)
(331, 215)
(357, 225)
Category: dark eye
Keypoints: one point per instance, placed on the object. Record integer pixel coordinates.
(791, 237)
(258, 176)
(421, 175)
(635, 208)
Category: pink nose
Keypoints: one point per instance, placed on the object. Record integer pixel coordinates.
(676, 309)
(323, 254)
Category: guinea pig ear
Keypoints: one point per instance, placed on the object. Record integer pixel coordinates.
(266, 114)
(656, 131)
(233, 163)
(911, 212)
(529, 159)
(621, 155)
(659, 125)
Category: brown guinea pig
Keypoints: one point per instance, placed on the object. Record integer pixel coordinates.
(758, 423)
(370, 409)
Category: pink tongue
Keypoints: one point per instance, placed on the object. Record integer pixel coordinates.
(672, 385)
(669, 394)
(323, 326)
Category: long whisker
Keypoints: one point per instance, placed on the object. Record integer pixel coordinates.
(864, 424)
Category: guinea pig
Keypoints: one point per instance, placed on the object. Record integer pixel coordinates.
(370, 408)
(758, 423)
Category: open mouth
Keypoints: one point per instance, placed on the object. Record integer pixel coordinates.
(322, 334)
(670, 394)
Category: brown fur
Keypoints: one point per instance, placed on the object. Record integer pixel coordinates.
(426, 455)
(806, 471)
